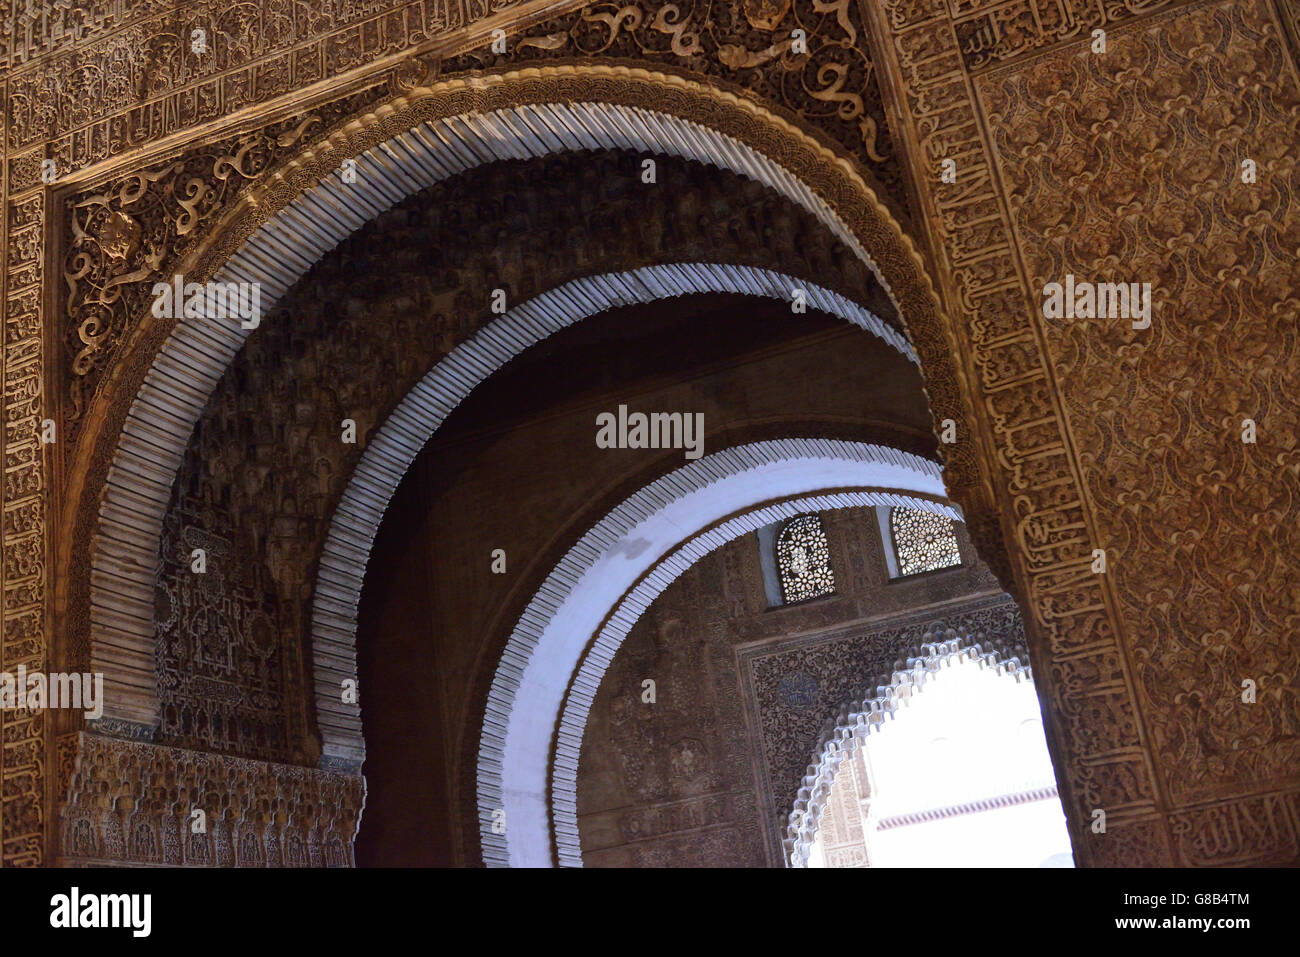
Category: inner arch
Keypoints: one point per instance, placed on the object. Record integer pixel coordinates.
(547, 646)
(389, 455)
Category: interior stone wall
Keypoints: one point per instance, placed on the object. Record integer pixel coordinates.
(706, 775)
(1115, 184)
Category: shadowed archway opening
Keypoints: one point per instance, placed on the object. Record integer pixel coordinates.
(285, 535)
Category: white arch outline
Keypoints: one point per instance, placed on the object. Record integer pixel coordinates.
(581, 697)
(602, 585)
(197, 352)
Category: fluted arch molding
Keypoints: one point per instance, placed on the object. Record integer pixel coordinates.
(395, 446)
(857, 719)
(304, 208)
(569, 632)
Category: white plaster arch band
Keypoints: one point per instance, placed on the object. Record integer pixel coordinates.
(197, 352)
(582, 693)
(599, 575)
(867, 716)
(389, 454)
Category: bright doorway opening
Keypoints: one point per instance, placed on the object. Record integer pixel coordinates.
(960, 777)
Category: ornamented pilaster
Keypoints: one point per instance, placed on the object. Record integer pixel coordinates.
(1071, 160)
(26, 490)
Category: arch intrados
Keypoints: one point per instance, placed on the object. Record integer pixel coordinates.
(258, 234)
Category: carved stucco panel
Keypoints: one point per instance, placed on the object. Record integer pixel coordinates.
(134, 803)
(99, 92)
(134, 230)
(1142, 185)
(1136, 177)
(22, 555)
(824, 78)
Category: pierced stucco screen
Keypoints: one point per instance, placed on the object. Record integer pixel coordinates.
(923, 541)
(803, 558)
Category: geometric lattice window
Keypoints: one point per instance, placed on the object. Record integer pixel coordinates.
(803, 560)
(923, 541)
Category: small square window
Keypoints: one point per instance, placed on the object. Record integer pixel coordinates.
(803, 560)
(922, 541)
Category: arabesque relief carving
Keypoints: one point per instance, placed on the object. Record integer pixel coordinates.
(991, 32)
(136, 803)
(25, 755)
(230, 680)
(95, 82)
(127, 235)
(1147, 145)
(809, 58)
(1138, 177)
